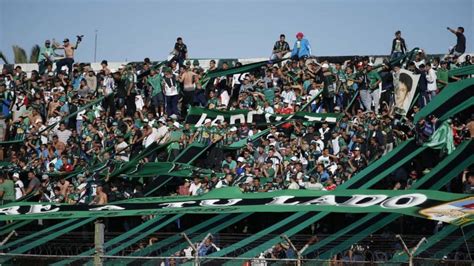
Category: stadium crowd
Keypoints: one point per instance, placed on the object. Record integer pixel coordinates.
(131, 107)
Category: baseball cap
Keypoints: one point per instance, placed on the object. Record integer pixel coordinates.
(44, 177)
(207, 121)
(66, 40)
(16, 175)
(176, 125)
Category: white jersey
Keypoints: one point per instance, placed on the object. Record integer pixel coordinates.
(18, 186)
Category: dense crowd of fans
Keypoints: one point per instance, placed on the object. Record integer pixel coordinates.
(146, 103)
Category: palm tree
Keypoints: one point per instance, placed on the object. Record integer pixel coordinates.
(20, 56)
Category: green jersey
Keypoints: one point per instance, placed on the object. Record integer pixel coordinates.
(156, 84)
(8, 189)
(373, 77)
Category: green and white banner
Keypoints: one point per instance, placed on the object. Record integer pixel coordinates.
(197, 116)
(446, 207)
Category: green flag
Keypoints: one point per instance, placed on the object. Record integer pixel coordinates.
(442, 138)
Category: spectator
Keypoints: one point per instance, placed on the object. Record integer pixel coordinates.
(19, 186)
(7, 190)
(69, 53)
(301, 48)
(399, 46)
(280, 49)
(181, 51)
(460, 46)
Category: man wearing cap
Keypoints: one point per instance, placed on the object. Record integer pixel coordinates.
(45, 57)
(203, 133)
(19, 186)
(162, 134)
(69, 53)
(175, 139)
(122, 148)
(358, 161)
(301, 48)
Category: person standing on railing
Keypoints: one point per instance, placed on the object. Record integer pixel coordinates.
(460, 46)
(399, 46)
(69, 53)
(301, 48)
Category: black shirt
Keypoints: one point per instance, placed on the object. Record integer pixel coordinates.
(121, 90)
(182, 49)
(460, 43)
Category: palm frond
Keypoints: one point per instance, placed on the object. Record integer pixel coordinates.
(19, 55)
(35, 51)
(3, 58)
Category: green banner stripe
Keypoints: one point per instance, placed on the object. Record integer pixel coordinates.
(37, 234)
(257, 250)
(51, 236)
(201, 236)
(469, 234)
(13, 226)
(258, 235)
(143, 235)
(446, 231)
(461, 71)
(115, 240)
(340, 233)
(374, 169)
(458, 108)
(448, 168)
(452, 95)
(438, 168)
(465, 146)
(356, 238)
(178, 238)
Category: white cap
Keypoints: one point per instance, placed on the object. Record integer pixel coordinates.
(233, 129)
(16, 175)
(241, 159)
(207, 121)
(249, 180)
(294, 158)
(370, 64)
(176, 125)
(325, 65)
(44, 177)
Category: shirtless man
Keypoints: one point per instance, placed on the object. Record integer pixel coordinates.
(100, 197)
(187, 77)
(69, 53)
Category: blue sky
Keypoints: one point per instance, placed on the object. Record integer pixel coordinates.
(132, 30)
